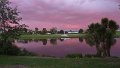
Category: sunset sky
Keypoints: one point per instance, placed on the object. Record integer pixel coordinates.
(66, 14)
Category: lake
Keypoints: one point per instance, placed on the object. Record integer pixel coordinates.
(64, 46)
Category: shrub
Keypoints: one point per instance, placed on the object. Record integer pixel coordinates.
(74, 56)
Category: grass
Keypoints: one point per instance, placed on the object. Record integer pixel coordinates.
(36, 62)
(118, 33)
(39, 36)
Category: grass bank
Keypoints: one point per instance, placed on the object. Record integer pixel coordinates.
(39, 36)
(36, 62)
(118, 33)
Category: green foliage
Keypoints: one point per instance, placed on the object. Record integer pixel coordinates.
(44, 31)
(61, 32)
(8, 48)
(8, 17)
(53, 30)
(102, 36)
(74, 56)
(91, 56)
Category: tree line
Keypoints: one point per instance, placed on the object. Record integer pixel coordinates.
(45, 31)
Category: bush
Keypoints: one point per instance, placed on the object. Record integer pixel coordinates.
(7, 48)
(74, 56)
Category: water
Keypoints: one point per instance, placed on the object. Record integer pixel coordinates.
(63, 47)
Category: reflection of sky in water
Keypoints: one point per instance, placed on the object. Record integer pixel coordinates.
(60, 48)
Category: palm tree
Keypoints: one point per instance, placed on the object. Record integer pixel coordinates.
(102, 36)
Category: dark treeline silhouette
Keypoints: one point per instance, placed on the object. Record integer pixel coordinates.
(53, 30)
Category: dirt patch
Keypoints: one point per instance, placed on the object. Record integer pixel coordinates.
(13, 66)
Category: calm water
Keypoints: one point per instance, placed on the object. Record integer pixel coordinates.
(63, 47)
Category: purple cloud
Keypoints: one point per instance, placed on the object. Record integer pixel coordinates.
(66, 14)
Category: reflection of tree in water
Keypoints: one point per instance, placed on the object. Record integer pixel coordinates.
(36, 40)
(61, 39)
(103, 49)
(53, 41)
(81, 39)
(44, 41)
(8, 48)
(23, 41)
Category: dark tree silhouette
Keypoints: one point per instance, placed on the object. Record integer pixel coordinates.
(11, 29)
(81, 31)
(8, 17)
(53, 30)
(61, 32)
(44, 31)
(36, 30)
(102, 36)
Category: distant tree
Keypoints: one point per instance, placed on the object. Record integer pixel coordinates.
(44, 31)
(30, 32)
(61, 31)
(66, 32)
(81, 31)
(53, 30)
(36, 30)
(25, 30)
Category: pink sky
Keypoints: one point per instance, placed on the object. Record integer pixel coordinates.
(66, 14)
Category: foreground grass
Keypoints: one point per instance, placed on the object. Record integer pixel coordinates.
(36, 62)
(39, 36)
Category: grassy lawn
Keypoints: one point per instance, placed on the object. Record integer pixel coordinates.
(39, 36)
(36, 62)
(118, 33)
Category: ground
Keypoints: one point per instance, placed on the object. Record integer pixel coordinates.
(39, 36)
(37, 62)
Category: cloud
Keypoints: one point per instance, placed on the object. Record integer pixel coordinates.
(59, 12)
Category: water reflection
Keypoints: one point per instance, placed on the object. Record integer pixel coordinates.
(9, 48)
(44, 41)
(67, 46)
(61, 39)
(103, 48)
(23, 41)
(81, 39)
(53, 41)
